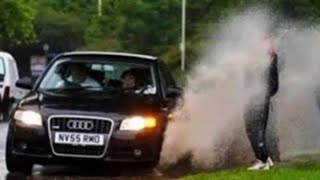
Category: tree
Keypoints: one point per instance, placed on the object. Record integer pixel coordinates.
(62, 31)
(149, 26)
(16, 19)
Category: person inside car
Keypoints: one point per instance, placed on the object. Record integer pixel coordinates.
(79, 75)
(135, 80)
(128, 80)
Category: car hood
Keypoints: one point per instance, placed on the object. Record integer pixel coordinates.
(91, 104)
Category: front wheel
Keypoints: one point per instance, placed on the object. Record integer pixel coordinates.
(14, 163)
(148, 165)
(5, 114)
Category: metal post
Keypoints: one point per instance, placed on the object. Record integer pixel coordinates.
(99, 8)
(46, 48)
(183, 33)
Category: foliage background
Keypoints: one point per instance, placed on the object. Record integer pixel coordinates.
(138, 26)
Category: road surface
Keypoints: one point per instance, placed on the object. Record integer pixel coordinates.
(74, 173)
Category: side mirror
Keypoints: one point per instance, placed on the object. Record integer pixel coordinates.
(24, 83)
(174, 92)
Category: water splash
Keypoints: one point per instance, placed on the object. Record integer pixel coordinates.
(209, 124)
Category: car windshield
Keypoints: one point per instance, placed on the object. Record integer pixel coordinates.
(2, 69)
(91, 75)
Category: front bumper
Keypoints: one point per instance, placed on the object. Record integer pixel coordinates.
(33, 143)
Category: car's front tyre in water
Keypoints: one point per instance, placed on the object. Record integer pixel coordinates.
(14, 163)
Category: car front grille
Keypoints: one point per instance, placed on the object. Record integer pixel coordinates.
(67, 124)
(99, 126)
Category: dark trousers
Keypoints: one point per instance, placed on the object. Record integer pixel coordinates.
(272, 138)
(256, 120)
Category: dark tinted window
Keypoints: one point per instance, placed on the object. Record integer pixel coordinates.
(166, 75)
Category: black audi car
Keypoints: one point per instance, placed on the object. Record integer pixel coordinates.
(92, 107)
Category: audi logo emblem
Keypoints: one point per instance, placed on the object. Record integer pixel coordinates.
(80, 125)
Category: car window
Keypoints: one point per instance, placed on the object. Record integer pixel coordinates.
(100, 76)
(166, 75)
(2, 69)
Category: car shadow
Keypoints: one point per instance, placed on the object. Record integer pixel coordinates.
(15, 176)
(3, 122)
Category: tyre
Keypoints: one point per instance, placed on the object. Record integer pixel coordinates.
(16, 164)
(5, 114)
(6, 103)
(149, 165)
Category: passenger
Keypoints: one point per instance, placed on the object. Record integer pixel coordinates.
(134, 80)
(128, 80)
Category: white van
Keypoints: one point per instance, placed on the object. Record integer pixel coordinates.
(8, 77)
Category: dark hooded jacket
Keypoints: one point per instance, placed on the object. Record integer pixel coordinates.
(273, 76)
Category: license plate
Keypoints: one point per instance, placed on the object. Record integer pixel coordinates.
(79, 139)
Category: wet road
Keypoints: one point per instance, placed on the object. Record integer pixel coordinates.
(75, 173)
(3, 135)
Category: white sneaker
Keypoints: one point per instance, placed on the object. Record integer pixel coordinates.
(156, 172)
(259, 165)
(270, 162)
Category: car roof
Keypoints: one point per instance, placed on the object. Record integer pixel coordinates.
(6, 56)
(103, 53)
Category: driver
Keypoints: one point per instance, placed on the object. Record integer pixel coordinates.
(79, 74)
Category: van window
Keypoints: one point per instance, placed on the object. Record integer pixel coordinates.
(2, 69)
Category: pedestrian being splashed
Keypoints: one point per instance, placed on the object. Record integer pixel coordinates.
(257, 114)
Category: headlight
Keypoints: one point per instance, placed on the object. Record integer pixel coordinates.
(28, 117)
(137, 123)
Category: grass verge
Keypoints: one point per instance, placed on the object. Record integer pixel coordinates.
(298, 169)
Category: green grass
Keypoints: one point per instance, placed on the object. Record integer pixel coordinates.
(296, 170)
